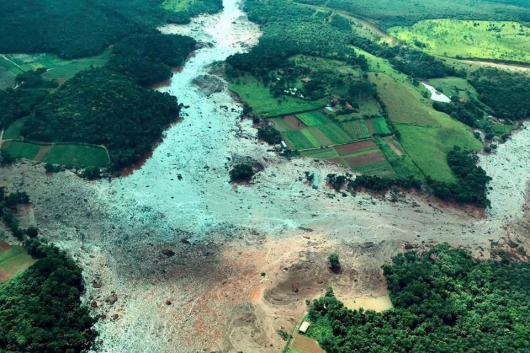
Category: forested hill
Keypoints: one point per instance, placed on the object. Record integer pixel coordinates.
(80, 28)
(444, 301)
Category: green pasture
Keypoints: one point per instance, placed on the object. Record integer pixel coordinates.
(13, 131)
(57, 68)
(428, 146)
(357, 129)
(382, 169)
(498, 40)
(402, 165)
(367, 108)
(380, 126)
(335, 67)
(281, 125)
(389, 13)
(297, 140)
(335, 133)
(77, 155)
(251, 91)
(324, 153)
(314, 118)
(63, 154)
(19, 149)
(404, 103)
(14, 260)
(454, 86)
(501, 129)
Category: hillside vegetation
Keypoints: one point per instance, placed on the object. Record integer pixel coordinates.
(390, 13)
(444, 301)
(508, 41)
(102, 107)
(40, 309)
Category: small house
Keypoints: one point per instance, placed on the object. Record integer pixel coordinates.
(303, 328)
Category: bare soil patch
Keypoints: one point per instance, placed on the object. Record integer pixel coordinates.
(294, 122)
(4, 245)
(304, 344)
(369, 158)
(370, 125)
(42, 153)
(354, 147)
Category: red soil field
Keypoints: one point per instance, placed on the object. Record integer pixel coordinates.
(354, 147)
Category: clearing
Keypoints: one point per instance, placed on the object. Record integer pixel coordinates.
(13, 260)
(493, 40)
(75, 155)
(262, 102)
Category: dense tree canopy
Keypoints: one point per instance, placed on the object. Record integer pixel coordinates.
(74, 28)
(15, 104)
(40, 310)
(148, 58)
(472, 180)
(505, 92)
(444, 301)
(102, 107)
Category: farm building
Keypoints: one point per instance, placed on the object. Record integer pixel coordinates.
(303, 328)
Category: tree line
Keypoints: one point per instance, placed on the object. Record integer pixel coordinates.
(40, 310)
(444, 301)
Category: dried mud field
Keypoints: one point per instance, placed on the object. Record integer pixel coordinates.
(177, 259)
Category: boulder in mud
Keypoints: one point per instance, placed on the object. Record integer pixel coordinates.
(209, 84)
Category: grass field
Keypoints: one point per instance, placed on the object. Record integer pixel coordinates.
(13, 260)
(388, 13)
(469, 39)
(454, 86)
(357, 129)
(501, 129)
(405, 105)
(13, 131)
(378, 126)
(77, 155)
(402, 164)
(428, 147)
(57, 68)
(335, 133)
(63, 154)
(19, 149)
(262, 102)
(324, 153)
(314, 118)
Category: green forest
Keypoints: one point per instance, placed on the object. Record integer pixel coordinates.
(102, 107)
(40, 309)
(444, 301)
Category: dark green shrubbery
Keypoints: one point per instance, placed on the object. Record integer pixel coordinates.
(241, 172)
(444, 301)
(41, 310)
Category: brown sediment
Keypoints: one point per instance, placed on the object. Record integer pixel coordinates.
(165, 83)
(354, 147)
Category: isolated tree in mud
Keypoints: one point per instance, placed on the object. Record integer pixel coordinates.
(241, 172)
(334, 261)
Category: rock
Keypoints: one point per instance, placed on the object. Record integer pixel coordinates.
(96, 284)
(168, 302)
(103, 316)
(168, 253)
(209, 84)
(114, 317)
(111, 299)
(94, 304)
